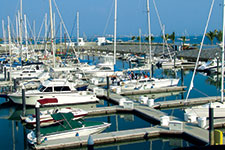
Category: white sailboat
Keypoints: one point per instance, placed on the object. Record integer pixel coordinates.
(147, 82)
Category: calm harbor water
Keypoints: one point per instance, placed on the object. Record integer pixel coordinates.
(13, 133)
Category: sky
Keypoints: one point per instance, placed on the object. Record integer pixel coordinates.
(184, 17)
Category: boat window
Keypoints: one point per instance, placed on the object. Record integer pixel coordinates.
(41, 88)
(105, 68)
(48, 89)
(62, 88)
(143, 81)
(25, 71)
(150, 80)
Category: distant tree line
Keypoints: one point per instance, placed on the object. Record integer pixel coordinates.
(211, 35)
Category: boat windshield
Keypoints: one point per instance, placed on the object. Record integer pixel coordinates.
(41, 88)
(62, 88)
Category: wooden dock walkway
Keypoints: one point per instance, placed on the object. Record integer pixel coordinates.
(126, 135)
(154, 90)
(183, 103)
(151, 114)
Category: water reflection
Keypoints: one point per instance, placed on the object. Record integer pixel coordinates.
(157, 96)
(150, 144)
(120, 121)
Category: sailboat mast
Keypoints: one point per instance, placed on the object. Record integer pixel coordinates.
(4, 36)
(25, 29)
(52, 33)
(17, 32)
(149, 40)
(21, 30)
(140, 39)
(115, 23)
(78, 32)
(222, 52)
(10, 51)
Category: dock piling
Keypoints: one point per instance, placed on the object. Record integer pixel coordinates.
(23, 100)
(90, 143)
(152, 70)
(37, 113)
(211, 126)
(182, 76)
(14, 84)
(107, 79)
(8, 75)
(5, 73)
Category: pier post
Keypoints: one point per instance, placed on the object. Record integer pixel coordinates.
(37, 113)
(5, 73)
(14, 84)
(93, 57)
(217, 63)
(152, 70)
(23, 100)
(8, 75)
(1, 67)
(182, 76)
(211, 127)
(90, 143)
(107, 79)
(174, 60)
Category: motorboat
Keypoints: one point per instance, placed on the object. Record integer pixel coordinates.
(143, 83)
(66, 129)
(46, 118)
(208, 65)
(60, 89)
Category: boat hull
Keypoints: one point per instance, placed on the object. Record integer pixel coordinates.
(84, 131)
(63, 98)
(46, 118)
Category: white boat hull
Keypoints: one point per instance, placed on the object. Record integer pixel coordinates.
(46, 118)
(157, 83)
(84, 131)
(63, 98)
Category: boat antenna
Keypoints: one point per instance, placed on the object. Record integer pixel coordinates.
(201, 45)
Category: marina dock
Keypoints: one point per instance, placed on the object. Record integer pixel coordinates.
(191, 131)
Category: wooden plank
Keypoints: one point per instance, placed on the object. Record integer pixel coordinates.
(154, 90)
(182, 102)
